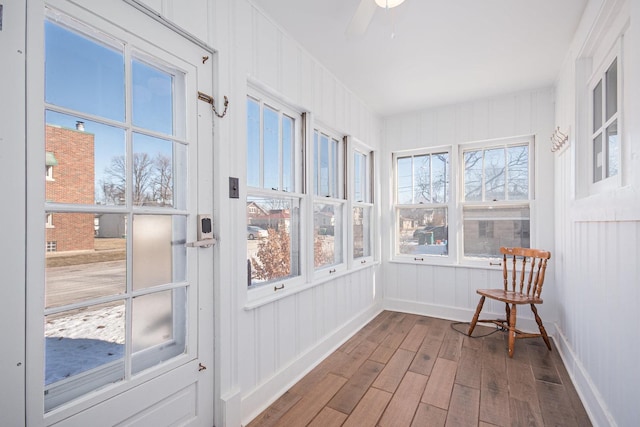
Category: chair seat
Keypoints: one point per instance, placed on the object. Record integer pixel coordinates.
(508, 297)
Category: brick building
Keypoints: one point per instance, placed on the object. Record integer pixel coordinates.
(70, 173)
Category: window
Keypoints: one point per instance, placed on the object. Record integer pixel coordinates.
(329, 201)
(362, 203)
(421, 208)
(275, 191)
(49, 221)
(605, 123)
(52, 246)
(495, 198)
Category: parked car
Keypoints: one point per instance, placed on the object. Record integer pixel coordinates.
(254, 232)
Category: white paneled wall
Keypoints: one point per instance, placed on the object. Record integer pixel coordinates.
(449, 291)
(598, 242)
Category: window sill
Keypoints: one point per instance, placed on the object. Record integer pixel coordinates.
(258, 301)
(620, 204)
(473, 265)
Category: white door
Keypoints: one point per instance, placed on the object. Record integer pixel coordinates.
(119, 324)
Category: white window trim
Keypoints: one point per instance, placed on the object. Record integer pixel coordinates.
(449, 259)
(606, 184)
(328, 271)
(355, 146)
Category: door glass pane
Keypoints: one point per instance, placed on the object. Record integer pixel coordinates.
(597, 106)
(405, 187)
(613, 148)
(271, 149)
(152, 250)
(79, 341)
(422, 179)
(83, 74)
(518, 172)
(152, 99)
(158, 327)
(612, 89)
(253, 143)
(597, 158)
(473, 175)
(87, 161)
(152, 171)
(494, 174)
(85, 258)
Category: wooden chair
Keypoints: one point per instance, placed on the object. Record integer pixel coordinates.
(526, 287)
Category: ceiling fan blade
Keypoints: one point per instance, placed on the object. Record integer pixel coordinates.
(361, 18)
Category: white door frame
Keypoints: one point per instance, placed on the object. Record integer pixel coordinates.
(129, 404)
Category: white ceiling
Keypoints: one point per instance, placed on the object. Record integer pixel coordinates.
(443, 52)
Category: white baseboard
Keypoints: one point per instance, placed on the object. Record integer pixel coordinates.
(258, 399)
(593, 402)
(459, 314)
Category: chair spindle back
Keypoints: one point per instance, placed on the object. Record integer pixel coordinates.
(532, 268)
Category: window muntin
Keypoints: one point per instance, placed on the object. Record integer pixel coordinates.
(605, 141)
(422, 197)
(495, 198)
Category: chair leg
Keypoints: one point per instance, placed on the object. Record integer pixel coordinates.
(543, 331)
(512, 330)
(508, 313)
(475, 316)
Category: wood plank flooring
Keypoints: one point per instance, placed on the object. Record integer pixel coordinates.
(408, 370)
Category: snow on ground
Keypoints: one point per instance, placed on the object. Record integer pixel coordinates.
(83, 341)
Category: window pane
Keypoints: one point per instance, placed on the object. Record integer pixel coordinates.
(362, 232)
(494, 174)
(83, 74)
(359, 176)
(473, 175)
(440, 177)
(277, 256)
(158, 327)
(405, 179)
(253, 143)
(612, 89)
(613, 148)
(316, 163)
(271, 149)
(423, 231)
(333, 161)
(287, 153)
(488, 229)
(597, 158)
(518, 172)
(324, 165)
(82, 153)
(79, 341)
(152, 99)
(597, 106)
(327, 235)
(422, 179)
(86, 257)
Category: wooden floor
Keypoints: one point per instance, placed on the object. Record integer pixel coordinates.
(408, 370)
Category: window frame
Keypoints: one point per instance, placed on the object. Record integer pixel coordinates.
(528, 140)
(368, 202)
(272, 288)
(448, 204)
(599, 75)
(336, 185)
